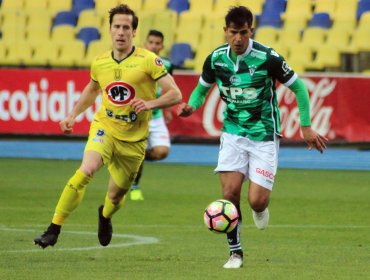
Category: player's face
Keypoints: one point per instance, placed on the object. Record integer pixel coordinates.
(238, 37)
(121, 32)
(154, 44)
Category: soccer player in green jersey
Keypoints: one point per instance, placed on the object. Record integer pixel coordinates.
(245, 72)
(158, 144)
(127, 78)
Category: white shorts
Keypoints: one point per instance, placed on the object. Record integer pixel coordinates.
(158, 134)
(257, 160)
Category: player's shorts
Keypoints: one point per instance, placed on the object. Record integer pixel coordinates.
(158, 134)
(123, 159)
(257, 160)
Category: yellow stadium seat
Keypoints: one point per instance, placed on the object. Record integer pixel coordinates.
(38, 18)
(19, 54)
(198, 61)
(338, 38)
(267, 35)
(327, 57)
(299, 57)
(38, 34)
(189, 29)
(295, 21)
(281, 49)
(345, 9)
(44, 53)
(359, 42)
(289, 35)
(146, 21)
(222, 6)
(255, 6)
(135, 5)
(201, 7)
(347, 25)
(13, 26)
(57, 6)
(103, 6)
(155, 6)
(164, 22)
(12, 5)
(33, 5)
(298, 9)
(62, 33)
(89, 18)
(3, 52)
(314, 37)
(71, 54)
(364, 22)
(95, 48)
(325, 6)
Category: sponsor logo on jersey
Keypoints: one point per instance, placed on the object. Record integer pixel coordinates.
(238, 95)
(120, 93)
(235, 80)
(158, 61)
(221, 64)
(286, 68)
(265, 173)
(258, 55)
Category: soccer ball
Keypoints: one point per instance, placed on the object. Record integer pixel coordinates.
(221, 216)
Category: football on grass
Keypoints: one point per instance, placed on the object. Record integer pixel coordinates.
(221, 216)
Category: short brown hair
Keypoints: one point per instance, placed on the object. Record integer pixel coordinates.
(123, 9)
(239, 15)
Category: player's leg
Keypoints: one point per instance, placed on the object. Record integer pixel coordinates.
(232, 166)
(262, 171)
(123, 169)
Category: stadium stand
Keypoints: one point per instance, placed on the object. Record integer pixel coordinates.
(88, 34)
(336, 27)
(179, 53)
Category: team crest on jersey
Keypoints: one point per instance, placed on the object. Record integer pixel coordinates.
(252, 69)
(117, 74)
(120, 93)
(158, 61)
(235, 80)
(100, 132)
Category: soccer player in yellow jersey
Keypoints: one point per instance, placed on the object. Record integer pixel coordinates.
(126, 76)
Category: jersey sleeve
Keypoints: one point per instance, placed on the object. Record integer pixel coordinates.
(156, 67)
(279, 69)
(208, 74)
(93, 71)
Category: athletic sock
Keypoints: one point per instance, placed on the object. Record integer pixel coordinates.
(71, 196)
(110, 208)
(233, 237)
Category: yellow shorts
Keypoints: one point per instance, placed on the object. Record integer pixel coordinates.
(122, 158)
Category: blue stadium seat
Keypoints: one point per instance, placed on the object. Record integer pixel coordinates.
(80, 5)
(88, 34)
(178, 5)
(65, 17)
(320, 20)
(270, 15)
(363, 7)
(180, 52)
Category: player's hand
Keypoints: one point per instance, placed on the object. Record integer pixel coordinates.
(66, 125)
(185, 110)
(140, 105)
(313, 139)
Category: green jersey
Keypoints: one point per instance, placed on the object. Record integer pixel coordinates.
(247, 86)
(157, 113)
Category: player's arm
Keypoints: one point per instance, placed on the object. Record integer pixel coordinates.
(87, 98)
(311, 137)
(171, 95)
(198, 96)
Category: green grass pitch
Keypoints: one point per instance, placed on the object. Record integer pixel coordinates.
(319, 226)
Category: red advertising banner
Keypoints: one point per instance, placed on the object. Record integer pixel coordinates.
(34, 101)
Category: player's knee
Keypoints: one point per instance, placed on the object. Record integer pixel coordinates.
(157, 153)
(116, 197)
(232, 196)
(258, 203)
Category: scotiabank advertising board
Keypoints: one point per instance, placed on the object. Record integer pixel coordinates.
(34, 101)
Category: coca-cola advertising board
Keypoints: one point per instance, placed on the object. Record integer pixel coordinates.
(34, 101)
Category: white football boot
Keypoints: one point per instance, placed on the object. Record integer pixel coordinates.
(235, 261)
(261, 219)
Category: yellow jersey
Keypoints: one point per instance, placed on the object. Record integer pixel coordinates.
(121, 81)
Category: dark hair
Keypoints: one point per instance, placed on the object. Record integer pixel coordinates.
(239, 16)
(156, 33)
(123, 10)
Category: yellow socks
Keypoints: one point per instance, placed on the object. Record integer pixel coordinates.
(110, 208)
(71, 196)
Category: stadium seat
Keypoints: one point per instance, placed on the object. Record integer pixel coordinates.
(271, 12)
(298, 22)
(89, 18)
(289, 35)
(338, 37)
(299, 57)
(178, 5)
(38, 34)
(363, 6)
(103, 6)
(13, 26)
(44, 53)
(201, 7)
(222, 6)
(313, 38)
(364, 22)
(327, 57)
(3, 52)
(135, 5)
(189, 28)
(297, 12)
(71, 54)
(19, 54)
(267, 35)
(255, 6)
(325, 6)
(179, 53)
(80, 5)
(320, 20)
(58, 6)
(95, 48)
(62, 33)
(345, 11)
(12, 5)
(65, 17)
(164, 22)
(88, 34)
(154, 6)
(34, 5)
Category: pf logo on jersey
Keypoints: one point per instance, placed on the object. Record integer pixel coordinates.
(120, 93)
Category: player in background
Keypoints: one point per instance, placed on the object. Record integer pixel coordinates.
(127, 77)
(158, 144)
(245, 72)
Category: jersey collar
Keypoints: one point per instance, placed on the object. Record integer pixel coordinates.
(240, 56)
(119, 61)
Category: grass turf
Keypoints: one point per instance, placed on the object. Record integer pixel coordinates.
(319, 226)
